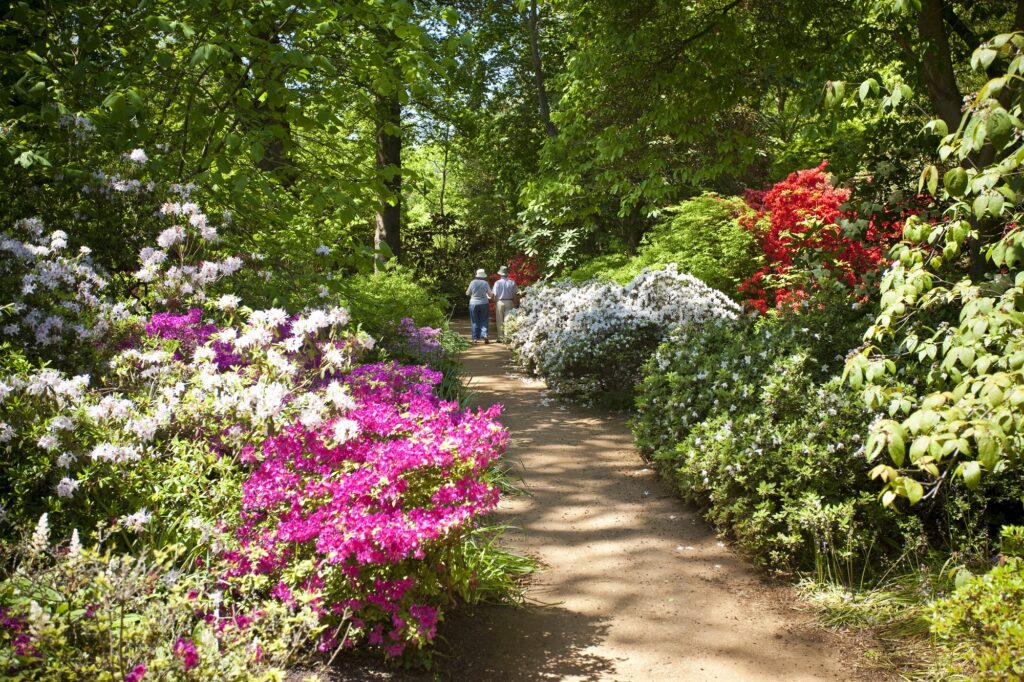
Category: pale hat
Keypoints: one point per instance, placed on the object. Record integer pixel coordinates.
(481, 273)
(503, 270)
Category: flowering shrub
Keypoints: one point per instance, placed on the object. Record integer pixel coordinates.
(525, 270)
(338, 496)
(57, 308)
(589, 340)
(61, 599)
(748, 420)
(367, 505)
(808, 237)
(425, 345)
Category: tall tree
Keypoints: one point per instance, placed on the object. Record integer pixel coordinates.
(532, 20)
(388, 120)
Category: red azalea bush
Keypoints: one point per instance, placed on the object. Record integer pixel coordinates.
(525, 270)
(803, 227)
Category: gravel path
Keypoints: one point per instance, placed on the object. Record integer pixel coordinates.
(633, 585)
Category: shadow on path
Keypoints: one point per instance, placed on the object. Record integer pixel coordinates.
(633, 585)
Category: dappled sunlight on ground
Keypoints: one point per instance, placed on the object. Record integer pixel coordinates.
(633, 584)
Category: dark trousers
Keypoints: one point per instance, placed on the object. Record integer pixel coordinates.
(479, 313)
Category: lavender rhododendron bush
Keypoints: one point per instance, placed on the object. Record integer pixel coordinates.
(589, 340)
(247, 486)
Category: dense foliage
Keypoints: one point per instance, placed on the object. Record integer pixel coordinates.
(830, 364)
(704, 237)
(983, 616)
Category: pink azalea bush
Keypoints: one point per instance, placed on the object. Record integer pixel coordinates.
(369, 503)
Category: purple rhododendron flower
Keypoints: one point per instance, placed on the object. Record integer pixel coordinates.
(185, 649)
(136, 674)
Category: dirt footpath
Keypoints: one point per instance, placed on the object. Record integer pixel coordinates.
(633, 584)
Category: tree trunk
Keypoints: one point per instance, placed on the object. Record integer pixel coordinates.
(538, 71)
(389, 164)
(444, 168)
(937, 64)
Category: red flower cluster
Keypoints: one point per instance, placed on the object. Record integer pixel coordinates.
(525, 270)
(797, 225)
(522, 269)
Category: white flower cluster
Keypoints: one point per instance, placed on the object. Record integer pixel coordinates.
(55, 296)
(80, 126)
(558, 324)
(267, 386)
(174, 269)
(116, 184)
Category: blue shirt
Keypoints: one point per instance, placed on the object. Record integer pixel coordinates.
(478, 291)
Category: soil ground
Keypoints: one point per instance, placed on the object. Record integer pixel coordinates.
(633, 584)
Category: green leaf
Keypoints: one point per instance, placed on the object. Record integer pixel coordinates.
(988, 451)
(971, 471)
(963, 578)
(983, 58)
(913, 489)
(995, 204)
(204, 53)
(867, 87)
(114, 101)
(955, 181)
(999, 127)
(980, 206)
(933, 179)
(897, 443)
(896, 96)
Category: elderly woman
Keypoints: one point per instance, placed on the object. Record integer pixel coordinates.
(479, 292)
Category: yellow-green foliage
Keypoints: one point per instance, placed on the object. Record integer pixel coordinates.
(703, 236)
(984, 621)
(380, 299)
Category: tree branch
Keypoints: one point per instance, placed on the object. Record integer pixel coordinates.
(717, 15)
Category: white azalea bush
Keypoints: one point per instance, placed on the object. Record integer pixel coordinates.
(588, 340)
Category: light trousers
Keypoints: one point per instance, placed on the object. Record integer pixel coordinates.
(502, 309)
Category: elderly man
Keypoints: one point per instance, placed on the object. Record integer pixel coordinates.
(505, 294)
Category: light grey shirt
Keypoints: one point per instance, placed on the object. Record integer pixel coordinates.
(505, 289)
(478, 291)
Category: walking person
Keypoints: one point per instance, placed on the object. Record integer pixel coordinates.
(479, 292)
(505, 294)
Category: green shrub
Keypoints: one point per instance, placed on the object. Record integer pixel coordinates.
(379, 300)
(983, 622)
(611, 266)
(703, 236)
(73, 612)
(750, 421)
